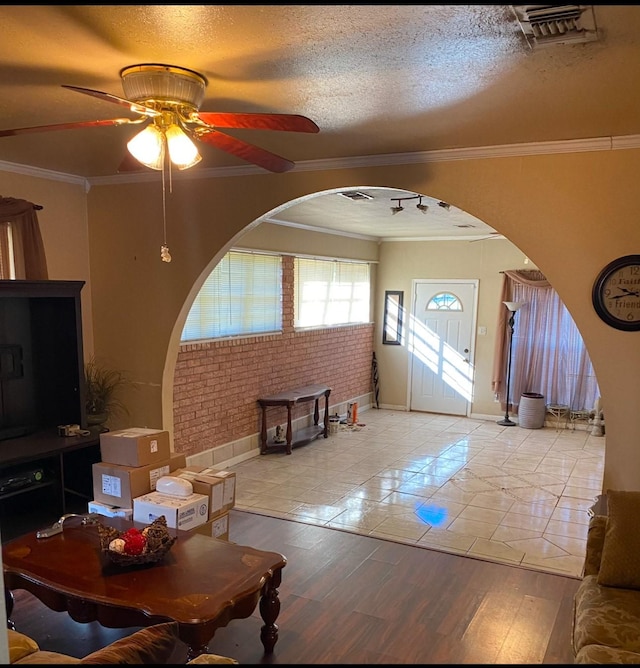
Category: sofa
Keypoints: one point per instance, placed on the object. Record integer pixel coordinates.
(606, 612)
(154, 644)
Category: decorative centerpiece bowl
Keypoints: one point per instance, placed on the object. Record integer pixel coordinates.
(136, 547)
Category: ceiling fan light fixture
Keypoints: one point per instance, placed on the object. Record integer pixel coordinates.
(182, 151)
(147, 147)
(160, 82)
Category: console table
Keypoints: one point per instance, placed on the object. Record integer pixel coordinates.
(291, 398)
(202, 583)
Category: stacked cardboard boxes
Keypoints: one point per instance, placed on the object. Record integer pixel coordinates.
(124, 484)
(220, 489)
(132, 461)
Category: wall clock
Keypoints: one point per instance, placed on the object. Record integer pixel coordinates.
(616, 293)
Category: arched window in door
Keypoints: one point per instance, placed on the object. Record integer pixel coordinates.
(444, 301)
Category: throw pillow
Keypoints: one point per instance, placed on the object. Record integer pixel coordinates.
(153, 644)
(620, 565)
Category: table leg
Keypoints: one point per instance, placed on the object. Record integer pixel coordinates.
(289, 429)
(8, 603)
(263, 432)
(269, 610)
(193, 651)
(326, 415)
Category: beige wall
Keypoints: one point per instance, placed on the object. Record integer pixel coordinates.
(570, 213)
(403, 262)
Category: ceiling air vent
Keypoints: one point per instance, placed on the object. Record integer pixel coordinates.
(355, 195)
(548, 25)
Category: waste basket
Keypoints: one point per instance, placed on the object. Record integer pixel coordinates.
(531, 411)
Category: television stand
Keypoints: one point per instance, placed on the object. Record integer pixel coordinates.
(45, 476)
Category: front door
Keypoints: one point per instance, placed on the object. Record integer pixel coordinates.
(440, 346)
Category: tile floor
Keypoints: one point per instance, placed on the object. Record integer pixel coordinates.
(460, 485)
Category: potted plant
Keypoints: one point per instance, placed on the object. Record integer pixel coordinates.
(103, 386)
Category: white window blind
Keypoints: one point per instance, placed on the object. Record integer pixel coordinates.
(242, 296)
(331, 292)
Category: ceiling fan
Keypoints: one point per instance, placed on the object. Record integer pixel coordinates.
(167, 99)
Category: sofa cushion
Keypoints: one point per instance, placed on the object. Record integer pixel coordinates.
(20, 645)
(605, 616)
(595, 542)
(153, 644)
(49, 658)
(620, 564)
(601, 655)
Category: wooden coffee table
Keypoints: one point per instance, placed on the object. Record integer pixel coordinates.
(202, 583)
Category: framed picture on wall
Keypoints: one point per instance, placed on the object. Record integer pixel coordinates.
(392, 324)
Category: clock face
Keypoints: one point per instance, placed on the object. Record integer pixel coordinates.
(616, 293)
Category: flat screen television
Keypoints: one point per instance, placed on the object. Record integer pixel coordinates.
(41, 357)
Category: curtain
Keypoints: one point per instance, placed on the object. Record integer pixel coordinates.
(20, 237)
(548, 353)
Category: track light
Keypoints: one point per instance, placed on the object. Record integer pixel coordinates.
(420, 206)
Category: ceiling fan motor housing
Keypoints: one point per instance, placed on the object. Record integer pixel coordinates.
(163, 83)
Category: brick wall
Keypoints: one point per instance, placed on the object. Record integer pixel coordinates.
(217, 383)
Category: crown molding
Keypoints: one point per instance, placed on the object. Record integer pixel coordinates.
(321, 230)
(40, 173)
(383, 160)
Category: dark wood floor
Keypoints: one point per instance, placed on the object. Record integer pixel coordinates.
(350, 599)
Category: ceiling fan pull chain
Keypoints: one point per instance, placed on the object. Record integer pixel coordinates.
(165, 256)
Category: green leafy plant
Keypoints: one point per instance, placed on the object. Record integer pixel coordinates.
(103, 387)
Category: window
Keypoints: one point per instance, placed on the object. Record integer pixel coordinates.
(548, 355)
(331, 292)
(7, 263)
(444, 301)
(242, 296)
(21, 249)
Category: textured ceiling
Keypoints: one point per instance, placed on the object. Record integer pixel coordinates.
(377, 79)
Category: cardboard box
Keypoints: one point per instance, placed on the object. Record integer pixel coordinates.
(216, 528)
(210, 486)
(117, 485)
(110, 511)
(136, 446)
(229, 477)
(182, 512)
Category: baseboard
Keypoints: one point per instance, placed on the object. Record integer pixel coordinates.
(248, 447)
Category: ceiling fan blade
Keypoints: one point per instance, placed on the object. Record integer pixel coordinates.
(249, 152)
(108, 97)
(68, 126)
(284, 122)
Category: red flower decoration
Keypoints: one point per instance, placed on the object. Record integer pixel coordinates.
(134, 541)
